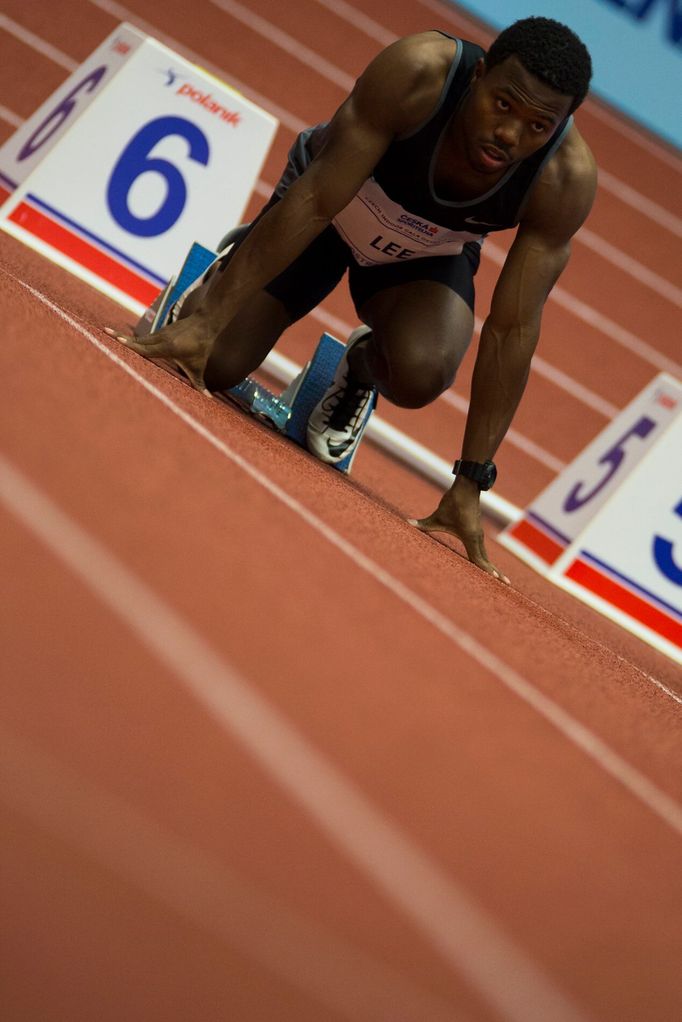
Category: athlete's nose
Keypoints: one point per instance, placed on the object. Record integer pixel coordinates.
(507, 133)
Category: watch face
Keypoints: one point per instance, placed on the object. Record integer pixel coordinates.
(489, 475)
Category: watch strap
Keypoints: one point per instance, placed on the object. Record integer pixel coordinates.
(479, 472)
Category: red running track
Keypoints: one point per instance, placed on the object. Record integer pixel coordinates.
(267, 752)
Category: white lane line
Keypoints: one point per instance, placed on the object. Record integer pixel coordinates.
(634, 134)
(213, 898)
(286, 42)
(513, 437)
(33, 41)
(360, 21)
(10, 117)
(565, 382)
(380, 33)
(639, 136)
(597, 320)
(658, 801)
(638, 271)
(444, 913)
(457, 18)
(647, 207)
(605, 325)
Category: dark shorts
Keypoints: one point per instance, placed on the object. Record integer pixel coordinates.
(315, 273)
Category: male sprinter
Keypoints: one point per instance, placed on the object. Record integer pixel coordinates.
(437, 145)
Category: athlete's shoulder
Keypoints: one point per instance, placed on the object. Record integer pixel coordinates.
(424, 53)
(573, 164)
(411, 73)
(567, 184)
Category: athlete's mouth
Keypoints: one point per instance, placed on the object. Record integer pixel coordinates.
(492, 156)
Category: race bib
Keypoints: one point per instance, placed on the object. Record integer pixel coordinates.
(378, 230)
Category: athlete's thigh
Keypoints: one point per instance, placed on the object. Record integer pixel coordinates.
(421, 331)
(422, 314)
(422, 306)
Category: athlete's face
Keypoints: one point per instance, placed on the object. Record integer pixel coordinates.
(509, 115)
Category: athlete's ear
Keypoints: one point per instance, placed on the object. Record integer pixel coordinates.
(479, 69)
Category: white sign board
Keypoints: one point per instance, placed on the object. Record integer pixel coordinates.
(628, 562)
(151, 156)
(562, 511)
(609, 528)
(31, 143)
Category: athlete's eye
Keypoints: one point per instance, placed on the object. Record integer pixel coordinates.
(538, 127)
(502, 104)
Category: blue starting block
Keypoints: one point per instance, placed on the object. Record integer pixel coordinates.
(287, 412)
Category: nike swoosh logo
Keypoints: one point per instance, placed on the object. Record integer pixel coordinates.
(479, 223)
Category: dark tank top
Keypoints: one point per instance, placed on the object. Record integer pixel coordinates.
(397, 214)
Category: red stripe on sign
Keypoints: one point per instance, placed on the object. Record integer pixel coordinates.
(85, 254)
(626, 601)
(536, 540)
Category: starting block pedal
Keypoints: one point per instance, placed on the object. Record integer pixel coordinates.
(255, 398)
(198, 262)
(287, 412)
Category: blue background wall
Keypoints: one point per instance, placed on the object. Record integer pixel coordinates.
(636, 48)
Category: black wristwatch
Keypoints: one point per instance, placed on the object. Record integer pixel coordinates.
(483, 473)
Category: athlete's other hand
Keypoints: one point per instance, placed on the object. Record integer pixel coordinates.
(186, 344)
(459, 513)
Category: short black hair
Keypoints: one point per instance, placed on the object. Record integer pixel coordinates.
(549, 50)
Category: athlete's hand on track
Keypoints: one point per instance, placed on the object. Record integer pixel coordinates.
(186, 344)
(459, 513)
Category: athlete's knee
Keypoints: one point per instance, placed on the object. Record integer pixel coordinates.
(418, 375)
(245, 341)
(227, 366)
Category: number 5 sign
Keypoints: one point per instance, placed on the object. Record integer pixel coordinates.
(136, 156)
(609, 528)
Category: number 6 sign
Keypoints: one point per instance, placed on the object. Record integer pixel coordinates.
(31, 143)
(138, 155)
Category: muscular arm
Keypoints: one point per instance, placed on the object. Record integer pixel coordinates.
(395, 93)
(510, 334)
(559, 205)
